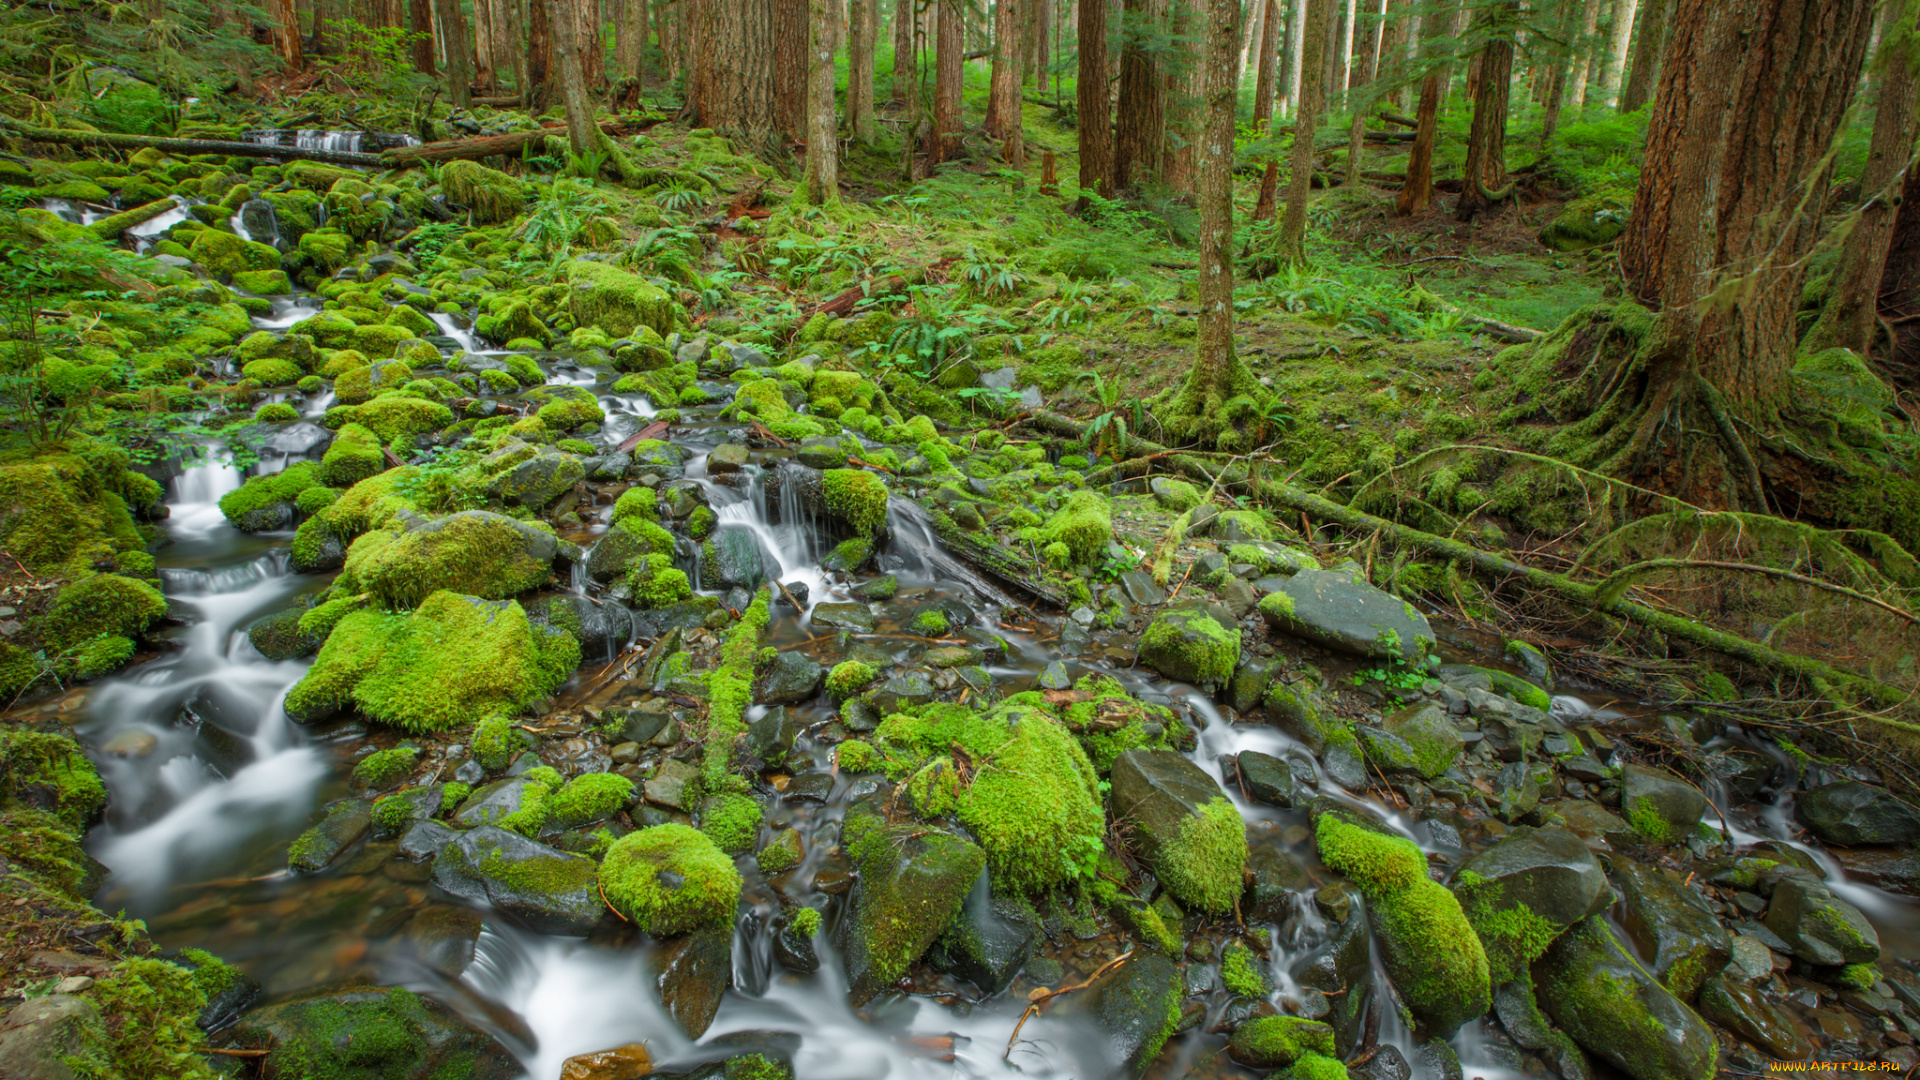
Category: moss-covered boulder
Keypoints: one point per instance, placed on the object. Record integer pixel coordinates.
(270, 502)
(1187, 645)
(453, 659)
(1426, 942)
(272, 282)
(1523, 892)
(1039, 801)
(58, 515)
(1820, 927)
(538, 480)
(855, 498)
(345, 822)
(1596, 992)
(355, 454)
(44, 773)
(372, 1034)
(394, 415)
(101, 605)
(1274, 1042)
(1084, 524)
(279, 637)
(1419, 740)
(1339, 610)
(475, 552)
(1589, 221)
(355, 386)
(490, 196)
(617, 301)
(547, 890)
(670, 879)
(1660, 806)
(913, 881)
(1672, 924)
(1183, 825)
(225, 254)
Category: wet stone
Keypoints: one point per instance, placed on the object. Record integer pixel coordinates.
(668, 786)
(394, 1034)
(792, 677)
(853, 617)
(792, 949)
(726, 458)
(1142, 589)
(1659, 805)
(881, 588)
(1672, 924)
(1819, 927)
(1342, 612)
(1594, 990)
(1344, 765)
(487, 805)
(346, 822)
(1745, 1011)
(1850, 813)
(1268, 779)
(547, 890)
(1054, 677)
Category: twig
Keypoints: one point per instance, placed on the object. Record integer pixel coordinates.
(1041, 995)
(597, 887)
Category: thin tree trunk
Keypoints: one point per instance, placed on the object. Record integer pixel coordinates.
(1583, 47)
(420, 33)
(286, 36)
(1416, 195)
(1293, 229)
(1849, 319)
(1389, 63)
(1296, 52)
(1556, 89)
(823, 143)
(483, 46)
(1900, 282)
(1485, 175)
(1004, 103)
(454, 32)
(629, 39)
(903, 59)
(1096, 128)
(1343, 58)
(1250, 32)
(949, 55)
(1140, 124)
(1361, 90)
(1648, 45)
(860, 28)
(540, 53)
(1264, 104)
(1183, 95)
(790, 68)
(1042, 35)
(1619, 41)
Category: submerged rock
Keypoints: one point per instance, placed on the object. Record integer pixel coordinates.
(693, 973)
(346, 822)
(1137, 1006)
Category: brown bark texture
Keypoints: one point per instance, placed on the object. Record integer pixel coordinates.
(1485, 173)
(1140, 122)
(286, 33)
(420, 27)
(1416, 193)
(731, 49)
(453, 31)
(860, 27)
(1096, 129)
(950, 50)
(1293, 228)
(1003, 99)
(1650, 40)
(790, 21)
(823, 143)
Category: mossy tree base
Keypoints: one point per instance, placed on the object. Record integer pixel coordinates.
(1219, 404)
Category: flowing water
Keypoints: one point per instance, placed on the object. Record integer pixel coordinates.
(210, 782)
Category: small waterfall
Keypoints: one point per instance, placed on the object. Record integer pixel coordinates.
(626, 414)
(196, 496)
(792, 544)
(289, 311)
(257, 220)
(467, 340)
(147, 232)
(79, 213)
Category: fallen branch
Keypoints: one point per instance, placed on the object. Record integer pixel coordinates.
(1516, 335)
(486, 146)
(1040, 995)
(1620, 579)
(844, 303)
(112, 141)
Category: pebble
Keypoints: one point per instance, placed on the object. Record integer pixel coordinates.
(131, 744)
(73, 984)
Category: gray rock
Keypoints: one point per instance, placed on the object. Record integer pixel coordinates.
(488, 804)
(278, 637)
(1341, 969)
(43, 1034)
(615, 551)
(1161, 794)
(853, 617)
(912, 882)
(1136, 1006)
(732, 558)
(987, 943)
(1745, 1011)
(1548, 872)
(1515, 792)
(668, 786)
(546, 889)
(667, 461)
(790, 679)
(1249, 683)
(1344, 613)
(1659, 805)
(603, 627)
(1419, 739)
(1672, 924)
(1142, 589)
(346, 822)
(1596, 992)
(904, 689)
(692, 974)
(884, 587)
(1268, 779)
(1850, 813)
(822, 454)
(421, 803)
(1054, 676)
(1343, 764)
(424, 840)
(1274, 876)
(1752, 960)
(1189, 645)
(727, 458)
(1820, 927)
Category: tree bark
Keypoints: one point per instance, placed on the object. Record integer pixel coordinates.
(1266, 72)
(1182, 93)
(860, 27)
(540, 53)
(630, 40)
(903, 58)
(1620, 40)
(286, 34)
(1361, 88)
(823, 142)
(949, 55)
(1583, 47)
(1003, 101)
(731, 47)
(453, 30)
(1140, 124)
(1042, 34)
(1900, 282)
(484, 46)
(1296, 52)
(1343, 58)
(790, 19)
(1416, 194)
(569, 47)
(420, 36)
(1293, 230)
(1849, 319)
(1200, 410)
(1096, 128)
(1648, 45)
(1556, 88)
(1485, 174)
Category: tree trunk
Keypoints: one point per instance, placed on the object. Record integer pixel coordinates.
(485, 47)
(823, 142)
(1096, 129)
(1648, 46)
(1140, 124)
(1620, 39)
(1003, 101)
(1416, 194)
(1900, 282)
(1389, 63)
(903, 58)
(630, 40)
(420, 32)
(540, 53)
(286, 34)
(861, 20)
(569, 45)
(1264, 105)
(1556, 88)
(731, 48)
(1042, 34)
(1296, 52)
(1182, 82)
(1201, 410)
(790, 20)
(1293, 230)
(1583, 46)
(1362, 98)
(1343, 56)
(1484, 179)
(950, 51)
(1849, 319)
(453, 31)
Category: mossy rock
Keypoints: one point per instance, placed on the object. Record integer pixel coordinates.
(913, 881)
(265, 503)
(279, 637)
(616, 301)
(1183, 825)
(452, 659)
(1187, 645)
(58, 517)
(226, 254)
(355, 454)
(1084, 524)
(272, 282)
(670, 879)
(48, 774)
(475, 552)
(372, 1034)
(103, 604)
(1594, 990)
(1588, 221)
(489, 195)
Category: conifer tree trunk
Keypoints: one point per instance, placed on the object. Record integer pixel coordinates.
(823, 143)
(1619, 41)
(1140, 124)
(1042, 34)
(1096, 128)
(1556, 88)
(1649, 42)
(790, 20)
(630, 39)
(1263, 108)
(950, 51)
(484, 46)
(1416, 195)
(453, 30)
(1362, 98)
(1203, 409)
(1583, 47)
(1293, 229)
(860, 28)
(569, 45)
(1899, 299)
(1343, 55)
(903, 58)
(731, 49)
(1296, 52)
(1849, 319)
(1182, 92)
(420, 29)
(1484, 179)
(286, 35)
(1004, 103)
(540, 53)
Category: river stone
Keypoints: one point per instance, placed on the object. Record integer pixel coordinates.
(1589, 818)
(547, 890)
(1343, 764)
(42, 1034)
(538, 480)
(1054, 676)
(731, 558)
(1142, 589)
(771, 737)
(1674, 925)
(1189, 645)
(488, 804)
(421, 803)
(1268, 779)
(1820, 927)
(424, 840)
(1850, 813)
(903, 690)
(1512, 738)
(1745, 1011)
(882, 588)
(372, 1034)
(987, 943)
(1520, 1016)
(1249, 683)
(1342, 612)
(1137, 1006)
(629, 1062)
(1272, 1042)
(1659, 805)
(792, 948)
(1547, 878)
(618, 549)
(669, 786)
(912, 883)
(854, 617)
(790, 679)
(693, 972)
(346, 821)
(1342, 967)
(278, 637)
(443, 937)
(727, 458)
(1596, 992)
(601, 626)
(1165, 797)
(1419, 739)
(1273, 877)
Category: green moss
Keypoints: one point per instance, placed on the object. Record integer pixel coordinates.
(489, 195)
(453, 658)
(102, 604)
(244, 505)
(1645, 819)
(590, 797)
(855, 756)
(806, 921)
(636, 503)
(44, 771)
(278, 412)
(848, 678)
(932, 622)
(856, 497)
(383, 769)
(274, 372)
(670, 879)
(354, 455)
(616, 301)
(1316, 1067)
(318, 621)
(664, 588)
(453, 794)
(1274, 1041)
(732, 821)
(1084, 524)
(1251, 524)
(1204, 867)
(1855, 976)
(730, 690)
(1513, 935)
(1240, 971)
(536, 798)
(495, 741)
(474, 553)
(152, 1008)
(1190, 646)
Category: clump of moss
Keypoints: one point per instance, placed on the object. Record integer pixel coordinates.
(453, 657)
(855, 756)
(495, 741)
(806, 921)
(1203, 865)
(932, 622)
(590, 797)
(453, 794)
(670, 879)
(476, 553)
(1240, 971)
(250, 506)
(44, 771)
(489, 195)
(152, 1008)
(354, 455)
(730, 690)
(1084, 524)
(102, 604)
(381, 770)
(848, 678)
(1109, 722)
(1430, 948)
(732, 821)
(277, 412)
(1270, 1042)
(636, 502)
(856, 497)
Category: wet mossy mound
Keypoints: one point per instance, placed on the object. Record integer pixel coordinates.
(670, 879)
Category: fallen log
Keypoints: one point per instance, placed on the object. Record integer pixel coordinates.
(1823, 676)
(486, 146)
(845, 302)
(108, 140)
(1004, 564)
(109, 227)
